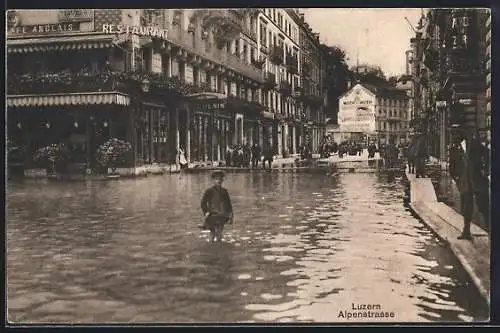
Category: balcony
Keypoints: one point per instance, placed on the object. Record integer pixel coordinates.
(285, 88)
(259, 63)
(269, 81)
(276, 55)
(292, 63)
(64, 82)
(306, 70)
(82, 81)
(196, 45)
(252, 107)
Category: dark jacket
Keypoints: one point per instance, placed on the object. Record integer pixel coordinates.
(216, 201)
(417, 147)
(468, 168)
(256, 152)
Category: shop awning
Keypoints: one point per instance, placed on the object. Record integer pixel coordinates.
(96, 98)
(63, 43)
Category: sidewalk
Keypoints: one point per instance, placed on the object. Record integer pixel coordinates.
(447, 225)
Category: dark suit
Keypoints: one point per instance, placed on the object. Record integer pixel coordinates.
(419, 152)
(468, 170)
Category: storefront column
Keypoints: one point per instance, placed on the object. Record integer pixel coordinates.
(199, 146)
(205, 149)
(177, 134)
(188, 135)
(219, 139)
(150, 135)
(294, 140)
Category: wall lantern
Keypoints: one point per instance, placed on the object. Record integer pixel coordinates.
(19, 125)
(105, 124)
(75, 124)
(47, 125)
(145, 85)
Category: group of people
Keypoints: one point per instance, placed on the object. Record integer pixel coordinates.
(469, 162)
(469, 167)
(244, 156)
(415, 153)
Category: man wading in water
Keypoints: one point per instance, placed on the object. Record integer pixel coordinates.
(216, 207)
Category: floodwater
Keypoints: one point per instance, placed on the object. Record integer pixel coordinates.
(303, 248)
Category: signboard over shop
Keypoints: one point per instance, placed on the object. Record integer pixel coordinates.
(357, 101)
(44, 29)
(76, 15)
(147, 31)
(59, 22)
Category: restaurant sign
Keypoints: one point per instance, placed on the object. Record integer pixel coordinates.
(44, 28)
(147, 31)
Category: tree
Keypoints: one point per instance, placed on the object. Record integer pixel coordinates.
(393, 80)
(338, 76)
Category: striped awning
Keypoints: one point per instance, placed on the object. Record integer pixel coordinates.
(63, 43)
(68, 99)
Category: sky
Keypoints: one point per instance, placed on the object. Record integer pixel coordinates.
(380, 36)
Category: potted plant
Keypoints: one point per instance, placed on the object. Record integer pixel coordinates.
(54, 158)
(112, 154)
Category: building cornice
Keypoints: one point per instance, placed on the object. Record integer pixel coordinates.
(295, 16)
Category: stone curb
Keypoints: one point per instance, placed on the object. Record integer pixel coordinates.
(425, 218)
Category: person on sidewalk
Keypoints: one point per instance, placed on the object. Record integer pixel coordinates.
(256, 155)
(468, 171)
(216, 207)
(411, 155)
(420, 154)
(268, 157)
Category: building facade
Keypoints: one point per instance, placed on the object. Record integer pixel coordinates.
(312, 94)
(164, 80)
(279, 47)
(452, 70)
(374, 113)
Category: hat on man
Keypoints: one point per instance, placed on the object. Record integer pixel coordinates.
(218, 174)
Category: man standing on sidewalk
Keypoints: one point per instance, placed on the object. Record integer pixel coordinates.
(467, 168)
(419, 154)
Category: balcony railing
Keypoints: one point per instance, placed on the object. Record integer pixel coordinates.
(239, 103)
(276, 55)
(64, 82)
(306, 70)
(82, 81)
(269, 80)
(285, 88)
(196, 45)
(292, 63)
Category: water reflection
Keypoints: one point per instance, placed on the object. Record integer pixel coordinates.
(303, 248)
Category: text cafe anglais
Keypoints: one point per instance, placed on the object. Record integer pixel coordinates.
(148, 31)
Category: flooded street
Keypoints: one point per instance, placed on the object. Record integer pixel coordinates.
(303, 248)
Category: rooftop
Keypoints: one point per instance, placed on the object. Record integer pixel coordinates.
(385, 90)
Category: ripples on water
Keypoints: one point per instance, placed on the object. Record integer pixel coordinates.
(303, 248)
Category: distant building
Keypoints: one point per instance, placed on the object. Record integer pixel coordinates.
(374, 113)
